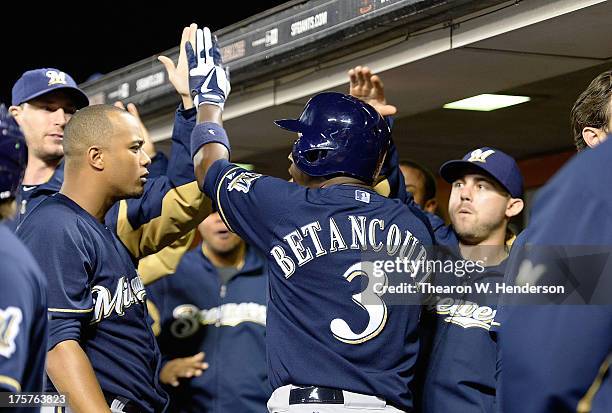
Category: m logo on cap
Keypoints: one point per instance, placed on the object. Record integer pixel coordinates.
(479, 156)
(56, 78)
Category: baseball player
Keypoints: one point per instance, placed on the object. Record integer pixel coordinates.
(563, 350)
(421, 183)
(460, 363)
(456, 347)
(102, 351)
(214, 305)
(332, 345)
(557, 220)
(23, 301)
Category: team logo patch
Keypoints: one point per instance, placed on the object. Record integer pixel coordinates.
(127, 293)
(362, 196)
(10, 319)
(56, 78)
(479, 156)
(466, 314)
(242, 182)
(188, 318)
(529, 274)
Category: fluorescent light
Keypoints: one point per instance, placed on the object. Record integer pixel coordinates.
(487, 102)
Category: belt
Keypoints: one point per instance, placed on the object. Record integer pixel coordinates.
(323, 395)
(121, 404)
(315, 394)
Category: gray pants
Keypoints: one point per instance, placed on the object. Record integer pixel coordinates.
(353, 403)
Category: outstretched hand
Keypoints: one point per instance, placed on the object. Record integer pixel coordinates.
(179, 75)
(369, 88)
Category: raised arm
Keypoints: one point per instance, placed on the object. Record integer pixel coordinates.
(209, 85)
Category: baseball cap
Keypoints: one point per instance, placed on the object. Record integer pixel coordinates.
(37, 82)
(493, 162)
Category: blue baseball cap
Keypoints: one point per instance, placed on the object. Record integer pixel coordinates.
(493, 162)
(37, 82)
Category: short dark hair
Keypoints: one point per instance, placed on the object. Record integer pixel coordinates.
(430, 181)
(592, 108)
(89, 126)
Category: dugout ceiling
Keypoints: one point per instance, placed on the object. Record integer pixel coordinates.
(548, 50)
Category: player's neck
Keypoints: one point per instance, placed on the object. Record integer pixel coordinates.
(342, 180)
(87, 194)
(38, 171)
(234, 258)
(491, 250)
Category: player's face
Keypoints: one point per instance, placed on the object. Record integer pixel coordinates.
(127, 162)
(216, 235)
(415, 184)
(477, 207)
(42, 121)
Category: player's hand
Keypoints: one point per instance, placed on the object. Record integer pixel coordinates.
(186, 367)
(148, 146)
(179, 75)
(369, 88)
(208, 80)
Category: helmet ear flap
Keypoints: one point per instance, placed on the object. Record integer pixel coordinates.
(315, 156)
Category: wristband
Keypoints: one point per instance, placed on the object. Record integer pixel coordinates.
(208, 132)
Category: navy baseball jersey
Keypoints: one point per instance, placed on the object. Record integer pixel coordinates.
(460, 356)
(196, 312)
(23, 318)
(557, 357)
(95, 297)
(320, 329)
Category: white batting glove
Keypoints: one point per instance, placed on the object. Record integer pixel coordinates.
(208, 79)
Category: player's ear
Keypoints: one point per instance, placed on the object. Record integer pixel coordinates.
(15, 112)
(514, 207)
(431, 206)
(95, 157)
(592, 136)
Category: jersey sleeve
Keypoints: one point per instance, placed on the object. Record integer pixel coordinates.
(171, 205)
(18, 308)
(67, 254)
(249, 202)
(164, 262)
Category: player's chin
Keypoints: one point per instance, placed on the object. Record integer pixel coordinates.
(135, 192)
(52, 152)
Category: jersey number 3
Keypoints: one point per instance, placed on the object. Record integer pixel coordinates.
(376, 307)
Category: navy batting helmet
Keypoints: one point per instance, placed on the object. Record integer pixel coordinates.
(339, 135)
(13, 154)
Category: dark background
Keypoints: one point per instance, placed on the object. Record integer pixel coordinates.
(85, 38)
